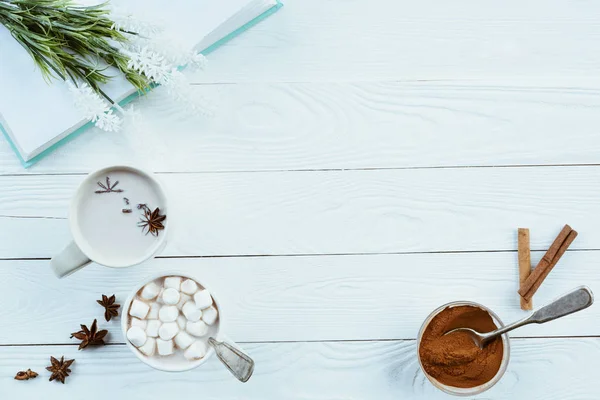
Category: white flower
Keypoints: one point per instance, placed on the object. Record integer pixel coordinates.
(197, 60)
(188, 97)
(132, 114)
(152, 38)
(94, 107)
(157, 55)
(107, 121)
(124, 21)
(148, 62)
(173, 52)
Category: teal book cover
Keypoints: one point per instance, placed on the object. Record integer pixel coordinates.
(132, 97)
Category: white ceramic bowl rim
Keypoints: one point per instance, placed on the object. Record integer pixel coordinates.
(476, 389)
(145, 359)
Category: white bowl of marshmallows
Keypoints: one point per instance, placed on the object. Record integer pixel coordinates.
(167, 323)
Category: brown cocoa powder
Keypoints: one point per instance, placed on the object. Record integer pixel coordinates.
(454, 359)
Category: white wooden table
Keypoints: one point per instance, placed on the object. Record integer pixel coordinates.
(369, 161)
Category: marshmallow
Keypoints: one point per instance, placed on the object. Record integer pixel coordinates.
(209, 315)
(183, 340)
(136, 336)
(191, 312)
(183, 298)
(170, 296)
(139, 309)
(154, 308)
(152, 328)
(139, 322)
(189, 286)
(149, 347)
(168, 313)
(181, 321)
(203, 299)
(165, 347)
(173, 282)
(150, 291)
(159, 297)
(198, 328)
(196, 351)
(168, 330)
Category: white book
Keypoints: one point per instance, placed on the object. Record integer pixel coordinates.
(36, 117)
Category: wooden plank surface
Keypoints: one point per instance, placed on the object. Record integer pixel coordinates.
(331, 212)
(339, 40)
(346, 186)
(291, 126)
(342, 370)
(300, 298)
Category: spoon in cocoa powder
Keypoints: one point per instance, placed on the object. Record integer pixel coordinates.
(576, 300)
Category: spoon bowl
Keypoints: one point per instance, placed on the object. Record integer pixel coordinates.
(480, 339)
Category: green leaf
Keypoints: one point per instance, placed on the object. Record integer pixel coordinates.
(69, 41)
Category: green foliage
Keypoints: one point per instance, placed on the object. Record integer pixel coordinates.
(68, 41)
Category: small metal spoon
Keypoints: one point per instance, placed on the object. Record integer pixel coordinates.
(576, 300)
(239, 364)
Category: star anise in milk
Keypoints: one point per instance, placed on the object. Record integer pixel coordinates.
(152, 221)
(108, 187)
(110, 308)
(90, 337)
(59, 368)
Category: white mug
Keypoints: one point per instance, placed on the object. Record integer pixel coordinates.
(105, 220)
(230, 354)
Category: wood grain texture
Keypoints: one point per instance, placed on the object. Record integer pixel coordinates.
(313, 40)
(293, 126)
(299, 298)
(338, 85)
(354, 370)
(331, 212)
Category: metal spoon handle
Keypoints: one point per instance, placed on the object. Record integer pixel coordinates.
(576, 300)
(239, 364)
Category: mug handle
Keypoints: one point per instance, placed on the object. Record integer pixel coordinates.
(69, 260)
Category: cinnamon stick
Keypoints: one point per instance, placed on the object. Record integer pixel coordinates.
(524, 264)
(548, 261)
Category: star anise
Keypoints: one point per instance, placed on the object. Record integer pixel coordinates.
(107, 187)
(152, 221)
(90, 337)
(60, 369)
(25, 375)
(110, 308)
